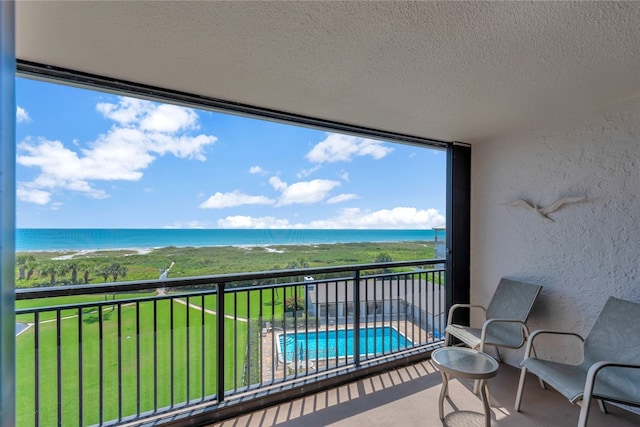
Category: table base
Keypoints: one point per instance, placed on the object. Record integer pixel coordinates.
(484, 396)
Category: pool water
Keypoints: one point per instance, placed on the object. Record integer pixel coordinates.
(328, 344)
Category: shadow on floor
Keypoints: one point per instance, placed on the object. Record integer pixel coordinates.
(409, 397)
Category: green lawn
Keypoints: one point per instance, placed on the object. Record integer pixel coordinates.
(69, 300)
(184, 352)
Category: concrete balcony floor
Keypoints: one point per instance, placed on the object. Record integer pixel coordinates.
(409, 397)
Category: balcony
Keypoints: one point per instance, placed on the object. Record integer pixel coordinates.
(408, 396)
(137, 352)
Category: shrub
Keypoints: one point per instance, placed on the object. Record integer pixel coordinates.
(293, 304)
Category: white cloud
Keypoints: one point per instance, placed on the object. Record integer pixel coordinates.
(235, 198)
(342, 198)
(187, 224)
(342, 148)
(256, 169)
(169, 119)
(277, 183)
(149, 116)
(344, 176)
(31, 195)
(144, 131)
(306, 172)
(127, 111)
(241, 221)
(305, 192)
(396, 218)
(22, 115)
(65, 169)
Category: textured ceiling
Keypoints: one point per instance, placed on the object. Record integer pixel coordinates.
(462, 71)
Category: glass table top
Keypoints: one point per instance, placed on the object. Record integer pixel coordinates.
(465, 362)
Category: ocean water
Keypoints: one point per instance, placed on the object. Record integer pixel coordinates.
(56, 239)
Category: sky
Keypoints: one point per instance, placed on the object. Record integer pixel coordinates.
(89, 159)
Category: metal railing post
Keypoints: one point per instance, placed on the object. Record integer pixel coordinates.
(220, 342)
(356, 320)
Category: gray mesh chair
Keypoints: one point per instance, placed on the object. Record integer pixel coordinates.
(505, 317)
(610, 369)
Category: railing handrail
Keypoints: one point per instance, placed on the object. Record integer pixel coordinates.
(191, 357)
(138, 285)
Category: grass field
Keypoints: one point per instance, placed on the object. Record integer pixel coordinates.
(173, 354)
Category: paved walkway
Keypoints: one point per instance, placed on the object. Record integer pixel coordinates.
(206, 310)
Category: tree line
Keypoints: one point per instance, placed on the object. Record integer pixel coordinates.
(71, 272)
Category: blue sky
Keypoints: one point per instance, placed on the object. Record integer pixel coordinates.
(88, 159)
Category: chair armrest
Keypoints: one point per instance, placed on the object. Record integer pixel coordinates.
(489, 322)
(539, 332)
(587, 395)
(457, 306)
(596, 368)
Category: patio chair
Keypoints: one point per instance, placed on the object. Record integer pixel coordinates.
(610, 370)
(505, 317)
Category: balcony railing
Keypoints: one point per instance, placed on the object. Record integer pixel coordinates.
(123, 352)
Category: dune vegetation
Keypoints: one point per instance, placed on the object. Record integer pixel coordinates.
(36, 269)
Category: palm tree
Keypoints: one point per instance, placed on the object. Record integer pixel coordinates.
(108, 270)
(294, 265)
(383, 257)
(299, 263)
(104, 271)
(275, 281)
(118, 270)
(86, 270)
(31, 267)
(22, 261)
(73, 266)
(52, 269)
(48, 270)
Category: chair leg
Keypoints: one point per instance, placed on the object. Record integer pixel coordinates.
(542, 386)
(499, 357)
(602, 407)
(523, 376)
(447, 337)
(584, 412)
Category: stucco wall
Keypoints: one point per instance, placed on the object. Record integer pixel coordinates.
(592, 249)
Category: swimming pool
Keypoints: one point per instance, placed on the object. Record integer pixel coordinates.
(331, 344)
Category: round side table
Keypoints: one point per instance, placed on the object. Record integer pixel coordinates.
(466, 363)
